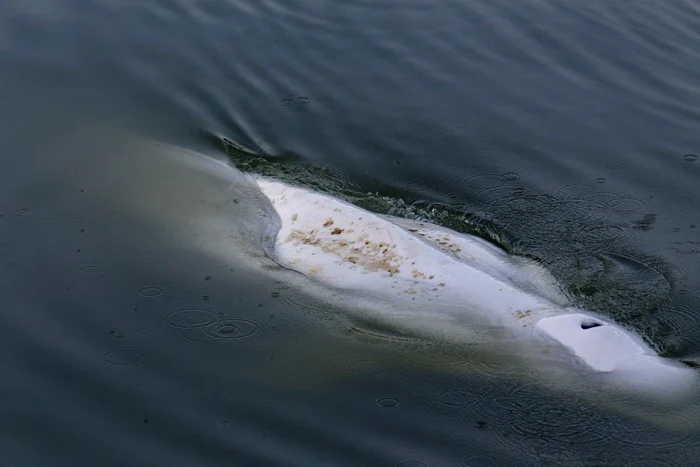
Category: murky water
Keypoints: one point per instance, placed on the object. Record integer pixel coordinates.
(142, 323)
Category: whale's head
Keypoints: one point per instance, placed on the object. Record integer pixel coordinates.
(608, 348)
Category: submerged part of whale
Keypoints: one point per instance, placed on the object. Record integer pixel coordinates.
(419, 266)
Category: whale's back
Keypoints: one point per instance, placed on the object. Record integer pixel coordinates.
(452, 282)
(347, 247)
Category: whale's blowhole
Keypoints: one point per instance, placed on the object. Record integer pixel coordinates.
(590, 324)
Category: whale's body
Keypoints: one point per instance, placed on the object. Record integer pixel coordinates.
(176, 214)
(419, 266)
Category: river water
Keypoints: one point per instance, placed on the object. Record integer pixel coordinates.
(140, 324)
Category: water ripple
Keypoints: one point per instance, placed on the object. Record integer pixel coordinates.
(202, 326)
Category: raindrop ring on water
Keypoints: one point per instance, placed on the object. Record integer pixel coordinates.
(509, 176)
(451, 129)
(420, 186)
(206, 326)
(122, 357)
(616, 166)
(91, 270)
(387, 403)
(84, 364)
(188, 318)
(487, 145)
(150, 292)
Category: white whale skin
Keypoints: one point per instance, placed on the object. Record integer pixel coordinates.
(429, 267)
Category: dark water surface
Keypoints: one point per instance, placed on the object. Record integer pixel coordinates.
(140, 325)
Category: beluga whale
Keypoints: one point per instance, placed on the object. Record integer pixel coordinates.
(473, 309)
(436, 281)
(402, 275)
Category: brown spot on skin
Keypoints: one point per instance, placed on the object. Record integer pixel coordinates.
(430, 277)
(523, 314)
(369, 256)
(413, 230)
(294, 217)
(328, 223)
(441, 284)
